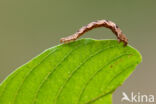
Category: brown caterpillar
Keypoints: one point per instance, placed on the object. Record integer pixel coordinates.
(100, 23)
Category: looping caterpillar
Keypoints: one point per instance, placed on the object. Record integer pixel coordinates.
(100, 23)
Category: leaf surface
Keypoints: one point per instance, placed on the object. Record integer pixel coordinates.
(86, 71)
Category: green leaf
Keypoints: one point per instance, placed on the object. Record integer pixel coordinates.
(86, 71)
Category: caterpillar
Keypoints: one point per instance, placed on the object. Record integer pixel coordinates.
(100, 23)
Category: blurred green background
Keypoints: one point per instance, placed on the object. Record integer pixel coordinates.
(27, 27)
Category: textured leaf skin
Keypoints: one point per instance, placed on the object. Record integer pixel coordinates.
(80, 72)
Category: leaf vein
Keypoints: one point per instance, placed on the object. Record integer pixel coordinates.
(51, 72)
(30, 73)
(102, 95)
(91, 78)
(94, 54)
